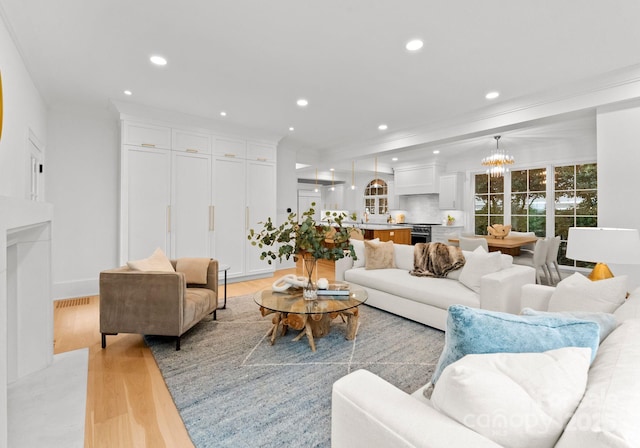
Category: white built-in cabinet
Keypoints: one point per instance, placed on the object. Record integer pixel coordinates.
(195, 195)
(450, 197)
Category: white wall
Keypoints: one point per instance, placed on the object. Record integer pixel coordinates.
(287, 192)
(82, 179)
(23, 109)
(618, 180)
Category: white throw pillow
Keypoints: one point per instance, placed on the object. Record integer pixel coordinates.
(477, 266)
(515, 399)
(157, 262)
(578, 293)
(358, 247)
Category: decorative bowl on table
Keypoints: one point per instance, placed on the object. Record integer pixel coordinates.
(499, 231)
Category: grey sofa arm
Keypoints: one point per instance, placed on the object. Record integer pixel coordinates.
(141, 302)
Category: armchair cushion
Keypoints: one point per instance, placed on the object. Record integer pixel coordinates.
(157, 262)
(194, 269)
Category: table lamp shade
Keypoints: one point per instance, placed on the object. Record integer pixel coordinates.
(604, 245)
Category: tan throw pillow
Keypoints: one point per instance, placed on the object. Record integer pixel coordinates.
(194, 269)
(379, 255)
(157, 262)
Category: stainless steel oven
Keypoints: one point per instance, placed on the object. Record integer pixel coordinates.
(420, 233)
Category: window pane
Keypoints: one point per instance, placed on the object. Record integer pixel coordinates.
(519, 181)
(562, 226)
(519, 204)
(481, 225)
(537, 204)
(482, 183)
(587, 202)
(370, 205)
(496, 204)
(519, 223)
(564, 178)
(495, 219)
(586, 221)
(562, 257)
(382, 206)
(586, 176)
(564, 204)
(496, 184)
(481, 204)
(538, 224)
(538, 180)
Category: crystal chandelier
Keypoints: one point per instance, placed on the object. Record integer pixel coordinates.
(497, 161)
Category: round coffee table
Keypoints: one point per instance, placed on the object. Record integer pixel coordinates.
(312, 317)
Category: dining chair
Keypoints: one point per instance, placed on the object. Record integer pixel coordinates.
(536, 259)
(528, 247)
(471, 244)
(552, 258)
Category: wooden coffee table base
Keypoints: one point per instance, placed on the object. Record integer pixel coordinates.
(311, 325)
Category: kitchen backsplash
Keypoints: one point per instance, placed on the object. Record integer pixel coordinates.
(425, 208)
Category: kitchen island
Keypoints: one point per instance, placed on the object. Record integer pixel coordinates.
(386, 232)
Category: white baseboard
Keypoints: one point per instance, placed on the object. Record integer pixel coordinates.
(75, 288)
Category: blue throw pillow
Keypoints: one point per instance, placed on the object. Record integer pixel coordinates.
(476, 331)
(606, 321)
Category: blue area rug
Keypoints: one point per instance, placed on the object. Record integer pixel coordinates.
(233, 389)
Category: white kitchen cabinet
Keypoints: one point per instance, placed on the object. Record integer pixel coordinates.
(261, 153)
(450, 192)
(145, 202)
(230, 213)
(230, 148)
(191, 142)
(261, 189)
(190, 205)
(146, 135)
(422, 179)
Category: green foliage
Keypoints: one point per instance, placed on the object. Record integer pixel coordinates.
(305, 238)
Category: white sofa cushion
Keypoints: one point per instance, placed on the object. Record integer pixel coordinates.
(477, 266)
(515, 399)
(608, 414)
(578, 293)
(438, 292)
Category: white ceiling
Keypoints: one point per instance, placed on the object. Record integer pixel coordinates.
(254, 59)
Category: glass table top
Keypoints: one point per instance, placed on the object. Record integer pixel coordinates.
(291, 301)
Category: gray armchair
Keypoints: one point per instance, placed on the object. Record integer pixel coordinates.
(154, 303)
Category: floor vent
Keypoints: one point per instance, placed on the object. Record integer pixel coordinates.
(68, 303)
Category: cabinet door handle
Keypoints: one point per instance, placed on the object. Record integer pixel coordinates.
(192, 150)
(169, 218)
(262, 159)
(229, 154)
(246, 218)
(212, 218)
(148, 145)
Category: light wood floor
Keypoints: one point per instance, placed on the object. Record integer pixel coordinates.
(128, 404)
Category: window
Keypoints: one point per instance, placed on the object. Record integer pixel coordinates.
(375, 197)
(575, 203)
(489, 202)
(529, 201)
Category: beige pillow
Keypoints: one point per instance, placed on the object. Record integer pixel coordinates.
(358, 247)
(379, 255)
(157, 262)
(194, 269)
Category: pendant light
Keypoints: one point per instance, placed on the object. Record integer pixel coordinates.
(316, 189)
(353, 174)
(375, 177)
(333, 187)
(498, 160)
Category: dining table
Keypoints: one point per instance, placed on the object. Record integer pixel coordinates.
(509, 245)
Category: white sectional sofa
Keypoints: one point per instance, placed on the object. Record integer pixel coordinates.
(368, 411)
(426, 299)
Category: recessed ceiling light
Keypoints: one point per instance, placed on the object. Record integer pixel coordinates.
(331, 169)
(128, 92)
(291, 128)
(302, 102)
(395, 159)
(223, 113)
(492, 95)
(383, 127)
(414, 45)
(158, 60)
(436, 152)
